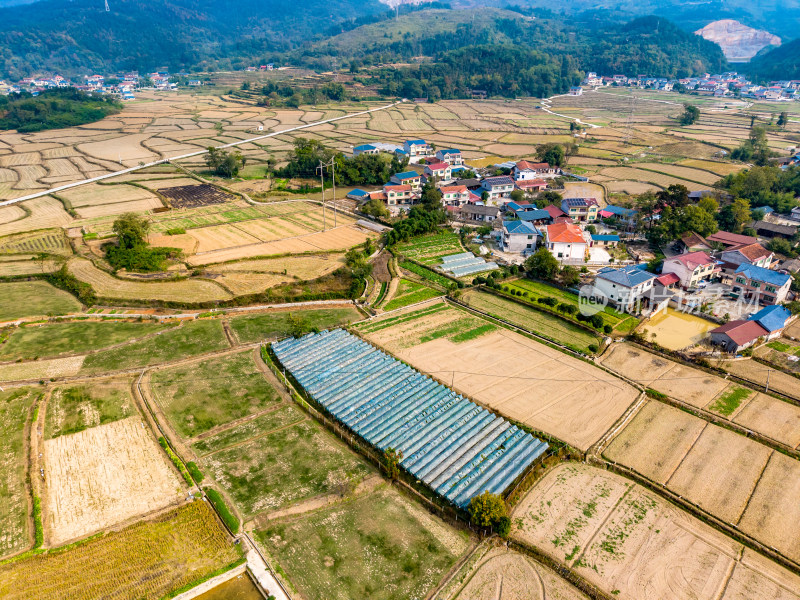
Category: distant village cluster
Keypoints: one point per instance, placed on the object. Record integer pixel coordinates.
(727, 269)
(728, 84)
(123, 85)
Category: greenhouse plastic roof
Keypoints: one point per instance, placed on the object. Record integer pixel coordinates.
(456, 447)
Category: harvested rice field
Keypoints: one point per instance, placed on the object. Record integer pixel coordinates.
(726, 474)
(516, 575)
(103, 476)
(759, 412)
(523, 379)
(107, 286)
(756, 373)
(632, 544)
(148, 560)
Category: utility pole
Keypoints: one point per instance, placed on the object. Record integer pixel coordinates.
(333, 180)
(321, 169)
(766, 388)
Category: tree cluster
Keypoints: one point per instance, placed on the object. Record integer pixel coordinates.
(132, 251)
(52, 109)
(364, 169)
(223, 163)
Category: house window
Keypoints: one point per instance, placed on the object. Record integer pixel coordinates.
(741, 280)
(756, 284)
(769, 288)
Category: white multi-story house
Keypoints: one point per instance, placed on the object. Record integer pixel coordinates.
(411, 178)
(625, 287)
(438, 170)
(691, 268)
(454, 195)
(497, 187)
(416, 150)
(451, 156)
(565, 241)
(525, 170)
(519, 236)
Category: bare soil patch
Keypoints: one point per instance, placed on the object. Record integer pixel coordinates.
(525, 380)
(103, 476)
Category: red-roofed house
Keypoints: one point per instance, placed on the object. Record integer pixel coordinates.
(525, 170)
(454, 195)
(668, 280)
(730, 239)
(440, 170)
(554, 211)
(398, 194)
(691, 268)
(565, 241)
(735, 336)
(753, 254)
(531, 185)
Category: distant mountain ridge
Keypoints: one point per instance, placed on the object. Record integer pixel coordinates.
(739, 42)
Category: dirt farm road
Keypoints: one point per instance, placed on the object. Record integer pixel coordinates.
(191, 155)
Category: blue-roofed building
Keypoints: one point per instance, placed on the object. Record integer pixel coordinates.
(451, 156)
(772, 318)
(358, 194)
(365, 149)
(762, 285)
(537, 215)
(605, 240)
(411, 178)
(519, 236)
(417, 150)
(764, 209)
(628, 288)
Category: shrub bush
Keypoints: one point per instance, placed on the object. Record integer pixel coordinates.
(608, 328)
(225, 513)
(593, 348)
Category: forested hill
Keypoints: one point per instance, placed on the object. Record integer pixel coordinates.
(52, 109)
(544, 52)
(79, 35)
(782, 62)
(510, 55)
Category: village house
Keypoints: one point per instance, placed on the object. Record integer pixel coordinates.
(497, 187)
(773, 230)
(728, 240)
(538, 216)
(519, 237)
(479, 213)
(581, 210)
(752, 254)
(525, 170)
(417, 150)
(454, 195)
(627, 288)
(623, 218)
(691, 268)
(760, 284)
(735, 336)
(365, 149)
(398, 195)
(694, 242)
(451, 156)
(565, 241)
(576, 90)
(411, 178)
(531, 186)
(605, 240)
(438, 171)
(773, 319)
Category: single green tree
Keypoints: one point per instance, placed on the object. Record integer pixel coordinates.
(391, 462)
(690, 114)
(487, 509)
(131, 230)
(542, 264)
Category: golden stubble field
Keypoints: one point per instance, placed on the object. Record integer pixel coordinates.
(732, 477)
(632, 544)
(523, 379)
(103, 476)
(759, 412)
